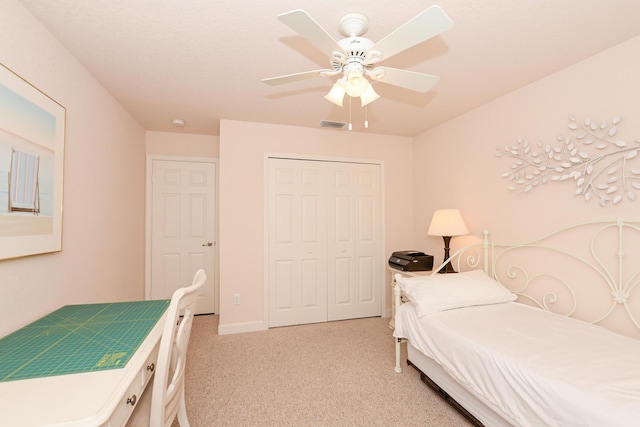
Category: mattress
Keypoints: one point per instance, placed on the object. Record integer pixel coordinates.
(534, 367)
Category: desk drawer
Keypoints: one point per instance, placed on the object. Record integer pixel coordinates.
(134, 393)
(124, 409)
(150, 366)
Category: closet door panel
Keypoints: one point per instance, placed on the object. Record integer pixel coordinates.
(297, 240)
(342, 281)
(285, 292)
(311, 291)
(366, 280)
(354, 234)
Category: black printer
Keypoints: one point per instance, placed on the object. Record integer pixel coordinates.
(411, 261)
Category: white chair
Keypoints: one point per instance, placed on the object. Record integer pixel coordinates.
(166, 392)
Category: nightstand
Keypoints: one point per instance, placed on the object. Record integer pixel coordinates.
(392, 284)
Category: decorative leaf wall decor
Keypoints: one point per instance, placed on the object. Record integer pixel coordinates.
(590, 156)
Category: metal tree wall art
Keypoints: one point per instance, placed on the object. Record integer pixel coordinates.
(600, 165)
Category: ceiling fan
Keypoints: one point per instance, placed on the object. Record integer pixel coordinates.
(355, 57)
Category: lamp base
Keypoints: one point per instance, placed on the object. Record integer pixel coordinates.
(448, 268)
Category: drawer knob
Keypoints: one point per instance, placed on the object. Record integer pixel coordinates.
(151, 367)
(132, 400)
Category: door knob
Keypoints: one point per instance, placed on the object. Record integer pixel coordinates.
(208, 244)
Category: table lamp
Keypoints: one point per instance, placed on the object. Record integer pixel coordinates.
(447, 223)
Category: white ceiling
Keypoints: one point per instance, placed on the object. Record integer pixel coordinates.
(202, 60)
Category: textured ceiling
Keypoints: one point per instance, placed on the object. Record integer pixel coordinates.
(202, 60)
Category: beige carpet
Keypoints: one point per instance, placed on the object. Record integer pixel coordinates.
(326, 374)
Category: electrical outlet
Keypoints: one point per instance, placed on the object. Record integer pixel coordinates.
(236, 299)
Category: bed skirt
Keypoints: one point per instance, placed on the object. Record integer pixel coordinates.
(469, 405)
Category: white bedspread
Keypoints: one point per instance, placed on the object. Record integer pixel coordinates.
(537, 368)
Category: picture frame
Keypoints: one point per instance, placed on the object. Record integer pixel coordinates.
(32, 138)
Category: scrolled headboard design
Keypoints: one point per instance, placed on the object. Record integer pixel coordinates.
(589, 270)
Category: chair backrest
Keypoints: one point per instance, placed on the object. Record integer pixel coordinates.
(167, 399)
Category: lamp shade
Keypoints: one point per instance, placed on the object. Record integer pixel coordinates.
(447, 222)
(336, 94)
(368, 96)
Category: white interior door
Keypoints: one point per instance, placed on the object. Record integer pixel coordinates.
(297, 244)
(183, 228)
(354, 237)
(324, 244)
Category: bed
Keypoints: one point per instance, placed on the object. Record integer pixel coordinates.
(542, 333)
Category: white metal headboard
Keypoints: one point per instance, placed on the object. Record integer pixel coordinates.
(588, 270)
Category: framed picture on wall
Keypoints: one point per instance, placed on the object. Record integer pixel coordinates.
(32, 132)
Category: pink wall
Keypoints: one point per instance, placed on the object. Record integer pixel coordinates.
(102, 256)
(457, 166)
(243, 147)
(455, 163)
(182, 144)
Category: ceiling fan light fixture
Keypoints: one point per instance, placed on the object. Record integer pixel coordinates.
(368, 96)
(356, 84)
(336, 94)
(355, 55)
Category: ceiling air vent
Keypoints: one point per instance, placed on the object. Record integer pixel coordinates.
(329, 124)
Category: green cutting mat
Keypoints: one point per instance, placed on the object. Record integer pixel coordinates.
(78, 338)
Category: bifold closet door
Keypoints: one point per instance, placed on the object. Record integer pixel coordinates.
(297, 243)
(355, 241)
(324, 243)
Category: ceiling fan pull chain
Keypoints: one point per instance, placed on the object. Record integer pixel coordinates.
(366, 117)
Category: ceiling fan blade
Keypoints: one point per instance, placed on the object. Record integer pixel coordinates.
(430, 23)
(300, 22)
(411, 80)
(274, 81)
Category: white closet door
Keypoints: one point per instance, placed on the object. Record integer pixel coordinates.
(297, 243)
(354, 231)
(324, 225)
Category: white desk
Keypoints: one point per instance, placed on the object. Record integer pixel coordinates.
(85, 399)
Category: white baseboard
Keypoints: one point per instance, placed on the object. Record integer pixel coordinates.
(238, 328)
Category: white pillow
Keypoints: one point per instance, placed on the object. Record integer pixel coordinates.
(439, 292)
